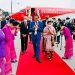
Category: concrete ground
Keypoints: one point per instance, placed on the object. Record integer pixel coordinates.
(70, 62)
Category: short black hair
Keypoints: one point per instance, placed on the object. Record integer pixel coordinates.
(59, 19)
(49, 21)
(15, 23)
(61, 23)
(11, 20)
(67, 18)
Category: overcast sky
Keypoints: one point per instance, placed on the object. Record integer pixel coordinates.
(19, 4)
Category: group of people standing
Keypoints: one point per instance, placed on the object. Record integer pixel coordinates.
(49, 29)
(35, 28)
(61, 27)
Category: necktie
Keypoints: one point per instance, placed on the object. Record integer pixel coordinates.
(36, 23)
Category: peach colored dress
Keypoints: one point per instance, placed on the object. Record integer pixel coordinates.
(48, 44)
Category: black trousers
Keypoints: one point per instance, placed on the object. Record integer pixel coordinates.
(73, 37)
(58, 39)
(24, 42)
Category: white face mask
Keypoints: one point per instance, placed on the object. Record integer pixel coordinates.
(25, 20)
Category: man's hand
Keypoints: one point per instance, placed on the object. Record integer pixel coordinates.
(35, 27)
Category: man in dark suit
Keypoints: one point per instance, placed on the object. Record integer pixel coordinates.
(24, 29)
(55, 26)
(54, 23)
(45, 21)
(36, 27)
(58, 30)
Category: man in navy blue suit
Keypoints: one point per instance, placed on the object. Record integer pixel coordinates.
(36, 27)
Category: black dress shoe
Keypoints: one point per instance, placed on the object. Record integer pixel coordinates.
(64, 58)
(33, 56)
(38, 60)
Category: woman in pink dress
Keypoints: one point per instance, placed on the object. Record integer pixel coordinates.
(68, 42)
(49, 33)
(13, 51)
(9, 34)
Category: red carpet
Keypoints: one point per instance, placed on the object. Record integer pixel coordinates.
(28, 66)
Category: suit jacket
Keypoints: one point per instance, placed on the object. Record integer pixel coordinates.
(24, 29)
(55, 25)
(69, 25)
(3, 23)
(44, 23)
(39, 31)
